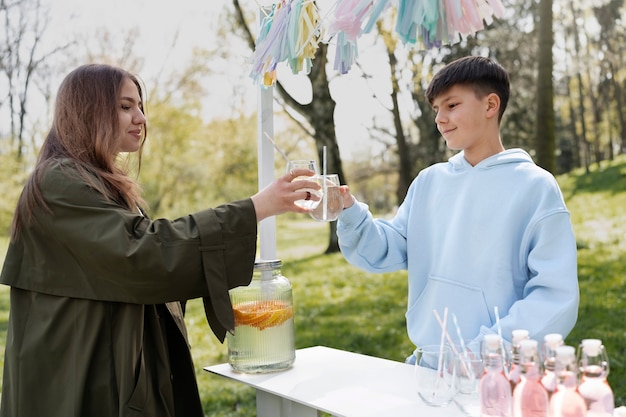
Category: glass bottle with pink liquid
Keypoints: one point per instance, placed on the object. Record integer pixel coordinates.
(494, 389)
(594, 387)
(515, 372)
(550, 343)
(566, 401)
(530, 398)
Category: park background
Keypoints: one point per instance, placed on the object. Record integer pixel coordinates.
(567, 109)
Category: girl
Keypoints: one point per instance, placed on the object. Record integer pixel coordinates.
(96, 327)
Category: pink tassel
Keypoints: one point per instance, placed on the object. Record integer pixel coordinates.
(349, 17)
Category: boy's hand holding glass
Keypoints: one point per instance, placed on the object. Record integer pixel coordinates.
(332, 202)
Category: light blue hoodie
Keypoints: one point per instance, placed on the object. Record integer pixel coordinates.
(472, 238)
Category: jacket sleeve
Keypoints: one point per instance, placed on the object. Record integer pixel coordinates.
(94, 249)
(223, 261)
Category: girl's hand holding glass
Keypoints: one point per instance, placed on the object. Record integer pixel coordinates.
(311, 193)
(280, 195)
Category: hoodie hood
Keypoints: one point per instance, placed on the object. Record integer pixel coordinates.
(509, 156)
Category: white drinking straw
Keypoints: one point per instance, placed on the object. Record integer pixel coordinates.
(454, 350)
(276, 147)
(441, 343)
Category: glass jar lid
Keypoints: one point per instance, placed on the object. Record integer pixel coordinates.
(267, 265)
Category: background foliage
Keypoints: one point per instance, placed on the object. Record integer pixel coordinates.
(396, 135)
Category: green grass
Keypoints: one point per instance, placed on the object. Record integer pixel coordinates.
(340, 306)
(597, 202)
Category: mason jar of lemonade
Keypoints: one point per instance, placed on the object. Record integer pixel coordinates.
(263, 340)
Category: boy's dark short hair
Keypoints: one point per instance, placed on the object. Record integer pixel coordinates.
(482, 74)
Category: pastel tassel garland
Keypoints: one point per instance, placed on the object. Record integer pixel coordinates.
(291, 32)
(287, 34)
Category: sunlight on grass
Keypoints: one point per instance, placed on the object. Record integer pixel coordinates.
(597, 203)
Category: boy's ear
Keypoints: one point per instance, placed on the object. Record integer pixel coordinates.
(493, 105)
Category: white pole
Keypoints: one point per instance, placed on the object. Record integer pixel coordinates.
(265, 125)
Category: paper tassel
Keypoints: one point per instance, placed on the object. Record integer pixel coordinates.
(292, 31)
(302, 36)
(346, 53)
(436, 22)
(377, 9)
(267, 53)
(345, 29)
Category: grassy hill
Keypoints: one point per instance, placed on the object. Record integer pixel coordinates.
(597, 202)
(340, 306)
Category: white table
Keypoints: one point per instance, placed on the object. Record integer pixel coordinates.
(337, 382)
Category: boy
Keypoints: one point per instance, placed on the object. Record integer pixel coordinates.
(486, 229)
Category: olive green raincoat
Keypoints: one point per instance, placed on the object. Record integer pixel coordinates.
(95, 327)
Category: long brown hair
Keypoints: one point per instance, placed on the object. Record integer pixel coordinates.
(85, 131)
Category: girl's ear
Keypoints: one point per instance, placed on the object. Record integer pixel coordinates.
(493, 105)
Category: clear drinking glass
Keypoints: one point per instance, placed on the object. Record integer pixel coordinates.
(469, 370)
(311, 165)
(331, 204)
(435, 374)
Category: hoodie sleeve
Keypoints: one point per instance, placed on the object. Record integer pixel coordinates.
(550, 296)
(374, 245)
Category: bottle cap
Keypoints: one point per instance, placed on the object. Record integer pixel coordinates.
(519, 334)
(565, 352)
(492, 341)
(591, 347)
(528, 345)
(553, 340)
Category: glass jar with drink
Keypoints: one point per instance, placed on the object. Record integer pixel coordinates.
(263, 339)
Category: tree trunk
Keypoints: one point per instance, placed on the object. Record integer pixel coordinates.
(581, 97)
(597, 116)
(320, 114)
(572, 125)
(544, 129)
(619, 108)
(405, 160)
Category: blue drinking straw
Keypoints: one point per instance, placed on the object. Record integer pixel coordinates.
(495, 308)
(462, 342)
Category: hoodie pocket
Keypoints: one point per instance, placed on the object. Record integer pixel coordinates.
(466, 302)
